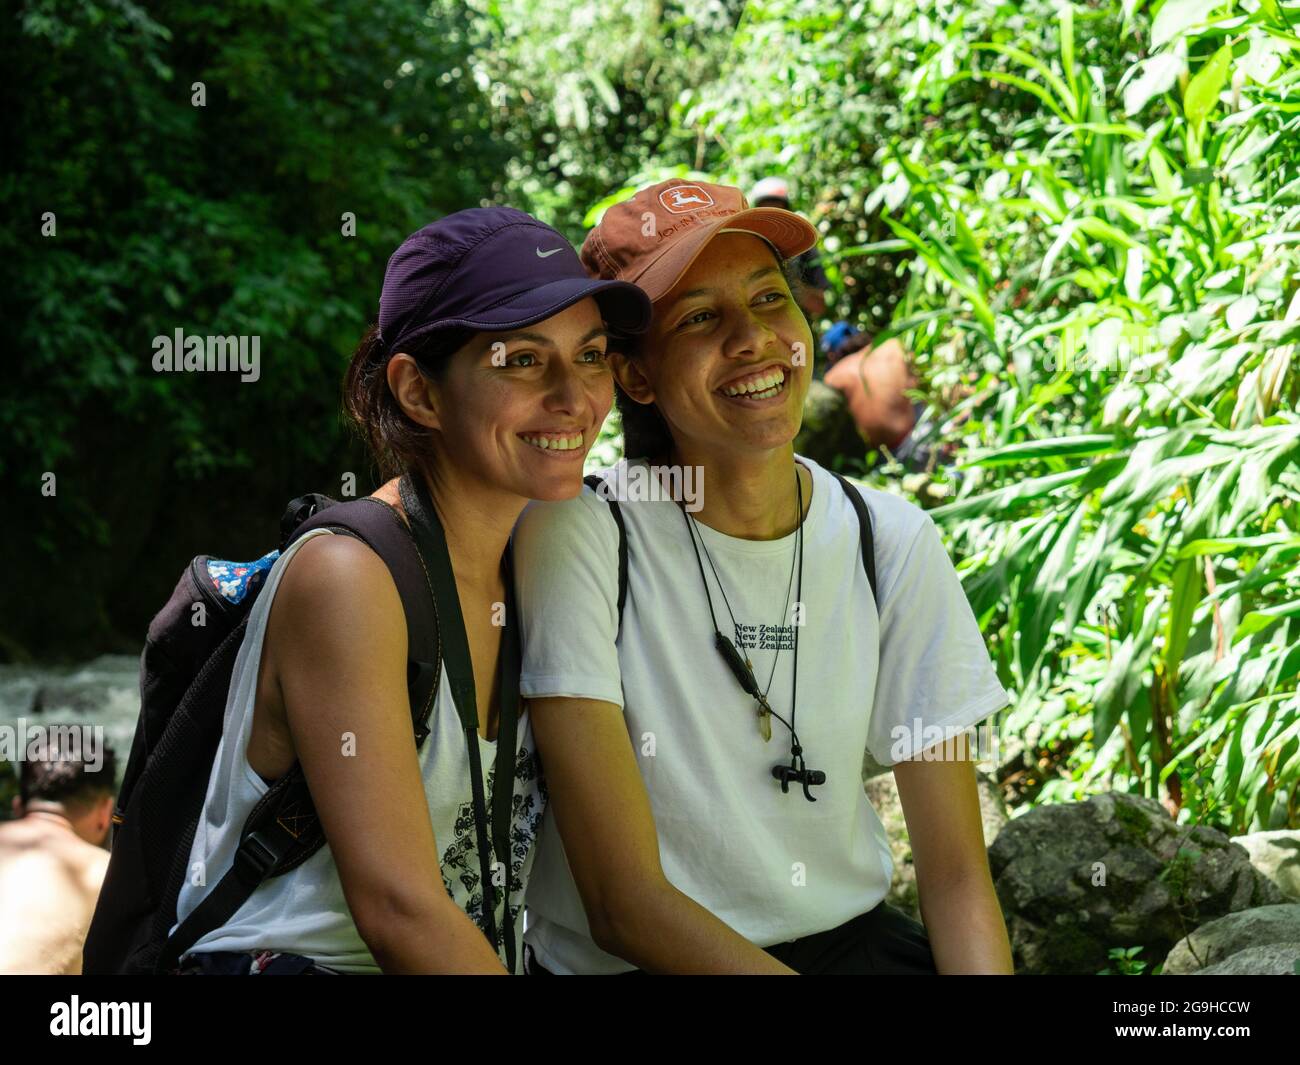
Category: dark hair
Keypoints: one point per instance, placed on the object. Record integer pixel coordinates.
(61, 776)
(397, 443)
(645, 433)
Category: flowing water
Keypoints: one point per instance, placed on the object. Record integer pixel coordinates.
(103, 693)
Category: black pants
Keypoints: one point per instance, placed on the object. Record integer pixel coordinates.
(250, 963)
(881, 942)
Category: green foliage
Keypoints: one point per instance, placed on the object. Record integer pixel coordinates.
(1129, 516)
(1119, 271)
(584, 95)
(221, 219)
(1082, 219)
(1126, 961)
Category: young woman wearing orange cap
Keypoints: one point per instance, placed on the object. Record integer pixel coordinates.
(704, 739)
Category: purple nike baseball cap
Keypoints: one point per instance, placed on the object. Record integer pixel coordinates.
(489, 269)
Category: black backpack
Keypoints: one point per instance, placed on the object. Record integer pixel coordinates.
(185, 673)
(859, 507)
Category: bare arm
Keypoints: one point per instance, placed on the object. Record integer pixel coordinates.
(603, 815)
(339, 637)
(958, 904)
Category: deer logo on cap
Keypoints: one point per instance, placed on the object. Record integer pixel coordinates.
(681, 199)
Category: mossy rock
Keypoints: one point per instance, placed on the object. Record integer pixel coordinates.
(1078, 879)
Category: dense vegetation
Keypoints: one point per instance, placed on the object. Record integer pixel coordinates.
(1082, 218)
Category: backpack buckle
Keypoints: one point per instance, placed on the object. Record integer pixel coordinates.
(255, 857)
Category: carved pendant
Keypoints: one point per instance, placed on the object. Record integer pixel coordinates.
(765, 720)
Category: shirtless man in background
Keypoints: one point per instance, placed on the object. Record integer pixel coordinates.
(52, 862)
(875, 381)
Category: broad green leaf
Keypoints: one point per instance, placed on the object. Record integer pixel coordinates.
(1259, 620)
(1176, 16)
(1042, 600)
(1186, 595)
(1124, 675)
(1058, 447)
(1003, 499)
(1155, 75)
(1203, 89)
(1225, 545)
(1241, 312)
(1097, 558)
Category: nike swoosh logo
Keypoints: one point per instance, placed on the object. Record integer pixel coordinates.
(543, 254)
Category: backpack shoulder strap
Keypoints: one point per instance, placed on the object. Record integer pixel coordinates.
(381, 528)
(864, 525)
(855, 498)
(593, 481)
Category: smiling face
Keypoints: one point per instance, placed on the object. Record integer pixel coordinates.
(520, 409)
(728, 356)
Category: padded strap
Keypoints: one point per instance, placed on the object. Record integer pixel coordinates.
(380, 526)
(259, 852)
(432, 542)
(864, 525)
(593, 481)
(855, 498)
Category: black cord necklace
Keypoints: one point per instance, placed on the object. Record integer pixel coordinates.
(796, 771)
(765, 724)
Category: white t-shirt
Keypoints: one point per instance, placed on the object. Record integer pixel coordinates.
(773, 866)
(304, 911)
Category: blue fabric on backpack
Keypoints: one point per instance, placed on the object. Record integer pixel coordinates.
(234, 580)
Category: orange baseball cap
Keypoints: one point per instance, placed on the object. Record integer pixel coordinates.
(652, 238)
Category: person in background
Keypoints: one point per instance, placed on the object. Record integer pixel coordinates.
(858, 400)
(775, 192)
(52, 859)
(874, 382)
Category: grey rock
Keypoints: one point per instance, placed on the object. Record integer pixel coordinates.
(1077, 879)
(1280, 959)
(1277, 856)
(1216, 941)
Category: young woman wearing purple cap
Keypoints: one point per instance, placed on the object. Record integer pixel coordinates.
(705, 744)
(484, 383)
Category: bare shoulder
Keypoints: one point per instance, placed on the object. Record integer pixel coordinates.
(333, 569)
(45, 855)
(336, 605)
(93, 862)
